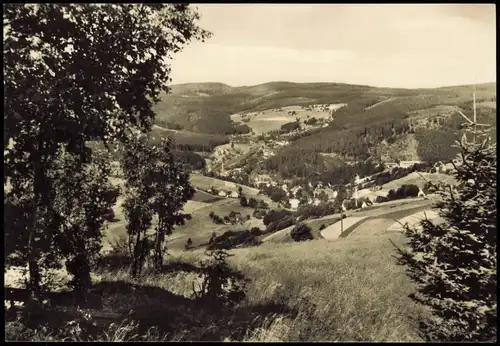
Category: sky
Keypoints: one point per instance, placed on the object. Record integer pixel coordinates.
(406, 46)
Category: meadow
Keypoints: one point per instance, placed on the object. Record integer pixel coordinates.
(202, 182)
(347, 290)
(272, 119)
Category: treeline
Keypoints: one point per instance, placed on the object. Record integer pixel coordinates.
(289, 127)
(291, 162)
(190, 141)
(188, 159)
(437, 144)
(294, 161)
(349, 141)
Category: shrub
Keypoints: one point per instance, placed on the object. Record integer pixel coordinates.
(278, 225)
(259, 214)
(263, 205)
(322, 227)
(222, 285)
(391, 195)
(311, 121)
(234, 239)
(301, 232)
(275, 215)
(352, 204)
(217, 220)
(407, 191)
(289, 127)
(381, 199)
(255, 231)
(243, 201)
(252, 202)
(311, 211)
(278, 195)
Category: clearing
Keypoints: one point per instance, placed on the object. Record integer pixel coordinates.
(203, 182)
(416, 179)
(272, 119)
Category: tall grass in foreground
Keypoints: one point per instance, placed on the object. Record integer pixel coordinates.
(348, 290)
(344, 291)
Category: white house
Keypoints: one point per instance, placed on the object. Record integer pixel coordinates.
(284, 187)
(328, 191)
(222, 194)
(295, 189)
(294, 203)
(234, 194)
(316, 202)
(421, 193)
(262, 178)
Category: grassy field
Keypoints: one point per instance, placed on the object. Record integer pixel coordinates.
(200, 227)
(204, 197)
(349, 290)
(234, 158)
(283, 236)
(203, 182)
(356, 291)
(416, 179)
(186, 140)
(272, 119)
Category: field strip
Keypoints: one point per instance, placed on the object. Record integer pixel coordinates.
(334, 231)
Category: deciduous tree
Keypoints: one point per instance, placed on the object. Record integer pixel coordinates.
(75, 73)
(155, 186)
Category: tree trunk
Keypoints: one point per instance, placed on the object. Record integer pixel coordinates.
(158, 250)
(137, 256)
(33, 252)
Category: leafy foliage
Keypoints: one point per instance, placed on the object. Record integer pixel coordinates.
(155, 184)
(275, 215)
(289, 127)
(436, 145)
(75, 73)
(221, 284)
(301, 232)
(234, 239)
(405, 191)
(455, 263)
(243, 201)
(280, 224)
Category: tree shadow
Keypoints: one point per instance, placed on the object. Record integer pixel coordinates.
(177, 317)
(184, 318)
(177, 266)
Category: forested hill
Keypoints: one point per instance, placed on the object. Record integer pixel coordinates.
(206, 107)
